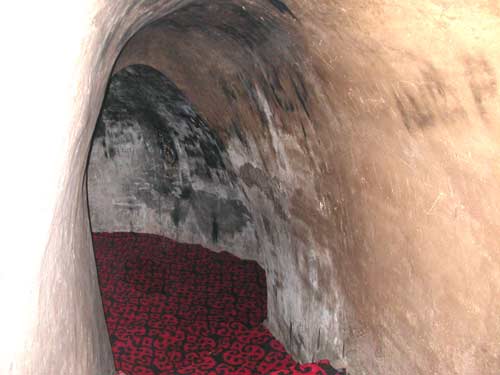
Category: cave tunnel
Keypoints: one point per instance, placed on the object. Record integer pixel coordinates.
(351, 149)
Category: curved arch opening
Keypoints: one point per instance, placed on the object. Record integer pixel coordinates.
(363, 140)
(157, 168)
(235, 175)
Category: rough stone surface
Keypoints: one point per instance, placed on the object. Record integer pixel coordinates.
(367, 137)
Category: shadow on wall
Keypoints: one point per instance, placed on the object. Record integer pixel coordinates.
(156, 167)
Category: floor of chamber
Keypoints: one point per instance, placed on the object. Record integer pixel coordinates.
(175, 308)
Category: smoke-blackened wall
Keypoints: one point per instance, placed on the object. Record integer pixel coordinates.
(156, 167)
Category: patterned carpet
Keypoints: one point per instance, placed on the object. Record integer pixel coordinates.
(175, 308)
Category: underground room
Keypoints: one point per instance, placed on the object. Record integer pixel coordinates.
(269, 187)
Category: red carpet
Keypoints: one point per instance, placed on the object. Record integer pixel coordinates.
(174, 308)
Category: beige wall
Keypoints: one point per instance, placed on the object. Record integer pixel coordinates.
(392, 201)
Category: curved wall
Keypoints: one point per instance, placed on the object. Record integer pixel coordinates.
(375, 123)
(156, 167)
